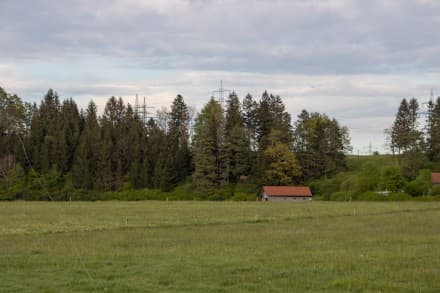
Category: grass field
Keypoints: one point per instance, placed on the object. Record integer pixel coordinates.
(219, 246)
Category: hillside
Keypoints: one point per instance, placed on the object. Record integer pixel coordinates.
(376, 177)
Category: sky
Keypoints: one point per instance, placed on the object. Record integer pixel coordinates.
(353, 60)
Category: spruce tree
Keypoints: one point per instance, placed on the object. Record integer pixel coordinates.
(433, 131)
(86, 164)
(273, 125)
(177, 164)
(68, 135)
(400, 131)
(134, 131)
(45, 131)
(407, 139)
(114, 147)
(249, 118)
(156, 152)
(236, 143)
(210, 169)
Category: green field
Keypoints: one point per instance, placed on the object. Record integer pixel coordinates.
(219, 246)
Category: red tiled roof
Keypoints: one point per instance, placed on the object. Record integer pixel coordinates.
(435, 178)
(287, 190)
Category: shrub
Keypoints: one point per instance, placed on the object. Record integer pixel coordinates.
(341, 196)
(242, 196)
(326, 187)
(369, 177)
(371, 196)
(392, 179)
(435, 190)
(11, 186)
(416, 188)
(398, 196)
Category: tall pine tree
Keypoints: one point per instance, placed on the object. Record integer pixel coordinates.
(210, 168)
(433, 131)
(178, 161)
(87, 157)
(236, 143)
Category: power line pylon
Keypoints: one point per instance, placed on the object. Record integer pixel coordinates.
(425, 105)
(220, 91)
(141, 110)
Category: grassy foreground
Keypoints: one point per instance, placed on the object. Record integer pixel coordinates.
(219, 246)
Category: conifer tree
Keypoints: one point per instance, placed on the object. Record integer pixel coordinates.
(401, 129)
(113, 149)
(433, 131)
(272, 126)
(69, 133)
(156, 148)
(178, 162)
(236, 143)
(134, 142)
(249, 118)
(87, 157)
(210, 171)
(45, 131)
(407, 139)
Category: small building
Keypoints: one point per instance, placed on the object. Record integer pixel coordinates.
(435, 178)
(286, 193)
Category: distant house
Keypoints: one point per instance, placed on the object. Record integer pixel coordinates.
(435, 178)
(286, 193)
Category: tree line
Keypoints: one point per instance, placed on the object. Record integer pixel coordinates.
(49, 149)
(413, 144)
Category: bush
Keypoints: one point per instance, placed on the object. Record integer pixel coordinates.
(392, 179)
(416, 188)
(398, 196)
(341, 196)
(242, 196)
(371, 196)
(369, 177)
(218, 196)
(326, 187)
(435, 190)
(350, 184)
(11, 186)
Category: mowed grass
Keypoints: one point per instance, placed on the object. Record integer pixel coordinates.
(219, 246)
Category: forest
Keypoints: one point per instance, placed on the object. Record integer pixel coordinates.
(56, 151)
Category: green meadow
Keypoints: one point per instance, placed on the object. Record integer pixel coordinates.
(219, 246)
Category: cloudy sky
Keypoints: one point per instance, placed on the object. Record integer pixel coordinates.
(354, 60)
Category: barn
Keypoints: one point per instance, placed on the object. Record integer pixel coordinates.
(435, 178)
(286, 193)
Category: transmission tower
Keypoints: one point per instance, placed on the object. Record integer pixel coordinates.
(221, 100)
(142, 110)
(425, 105)
(220, 92)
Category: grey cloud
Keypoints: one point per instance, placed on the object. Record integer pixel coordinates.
(308, 37)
